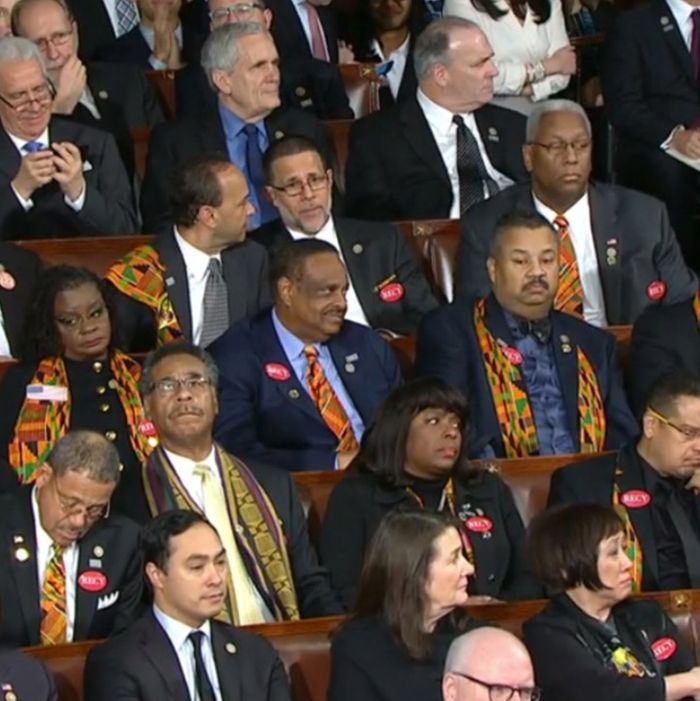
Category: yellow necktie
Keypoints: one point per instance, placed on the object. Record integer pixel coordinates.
(247, 607)
(54, 622)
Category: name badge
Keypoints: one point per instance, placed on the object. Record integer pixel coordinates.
(47, 393)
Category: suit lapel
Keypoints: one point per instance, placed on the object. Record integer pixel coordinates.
(157, 648)
(350, 366)
(491, 138)
(565, 358)
(227, 663)
(9, 156)
(672, 36)
(418, 134)
(176, 280)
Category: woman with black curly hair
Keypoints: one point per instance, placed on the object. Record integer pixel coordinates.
(71, 376)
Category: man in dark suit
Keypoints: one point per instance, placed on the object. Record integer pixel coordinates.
(387, 291)
(539, 382)
(244, 123)
(209, 274)
(100, 22)
(19, 271)
(652, 98)
(25, 677)
(626, 253)
(298, 383)
(647, 483)
(71, 568)
(56, 177)
(183, 418)
(178, 650)
(436, 155)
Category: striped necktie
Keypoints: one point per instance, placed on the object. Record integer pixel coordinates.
(214, 305)
(569, 297)
(54, 622)
(327, 403)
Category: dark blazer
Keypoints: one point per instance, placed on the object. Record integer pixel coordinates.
(591, 481)
(663, 339)
(634, 225)
(395, 170)
(367, 663)
(244, 270)
(25, 267)
(26, 677)
(173, 143)
(94, 26)
(567, 660)
(449, 349)
(109, 203)
(373, 252)
(97, 614)
(360, 501)
(141, 664)
(275, 421)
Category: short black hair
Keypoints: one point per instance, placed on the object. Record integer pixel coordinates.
(175, 348)
(157, 533)
(289, 146)
(517, 219)
(563, 545)
(288, 259)
(668, 388)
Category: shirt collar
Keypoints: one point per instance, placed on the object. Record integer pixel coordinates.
(185, 466)
(234, 125)
(439, 117)
(196, 260)
(177, 631)
(292, 346)
(681, 12)
(401, 51)
(325, 233)
(19, 141)
(578, 209)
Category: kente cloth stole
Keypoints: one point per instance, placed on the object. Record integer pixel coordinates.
(141, 276)
(633, 547)
(259, 535)
(569, 297)
(54, 622)
(512, 405)
(696, 306)
(41, 423)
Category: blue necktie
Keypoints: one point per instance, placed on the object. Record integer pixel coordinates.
(253, 156)
(32, 146)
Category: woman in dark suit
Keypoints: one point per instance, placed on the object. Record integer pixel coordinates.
(414, 457)
(410, 607)
(71, 376)
(592, 641)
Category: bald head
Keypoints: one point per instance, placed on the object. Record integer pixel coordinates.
(491, 655)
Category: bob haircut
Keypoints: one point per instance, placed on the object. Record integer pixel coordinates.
(563, 545)
(384, 442)
(395, 576)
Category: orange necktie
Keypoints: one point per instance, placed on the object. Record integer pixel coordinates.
(327, 403)
(569, 297)
(54, 622)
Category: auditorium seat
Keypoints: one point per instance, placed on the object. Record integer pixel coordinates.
(338, 131)
(361, 86)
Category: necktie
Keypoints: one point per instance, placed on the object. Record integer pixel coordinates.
(32, 146)
(215, 305)
(327, 403)
(318, 46)
(126, 16)
(254, 159)
(54, 622)
(695, 43)
(569, 297)
(541, 329)
(470, 168)
(216, 511)
(205, 691)
(689, 538)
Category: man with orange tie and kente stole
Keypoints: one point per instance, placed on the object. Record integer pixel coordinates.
(539, 381)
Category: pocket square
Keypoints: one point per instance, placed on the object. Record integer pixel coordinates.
(104, 602)
(87, 166)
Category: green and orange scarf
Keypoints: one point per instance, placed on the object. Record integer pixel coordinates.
(633, 547)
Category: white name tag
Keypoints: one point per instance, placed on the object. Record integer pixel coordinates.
(47, 393)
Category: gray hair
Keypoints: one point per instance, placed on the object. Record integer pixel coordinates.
(433, 43)
(535, 117)
(88, 453)
(220, 50)
(176, 348)
(20, 49)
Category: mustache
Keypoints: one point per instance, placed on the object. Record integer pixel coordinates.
(537, 281)
(186, 410)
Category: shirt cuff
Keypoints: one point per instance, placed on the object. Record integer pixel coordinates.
(26, 204)
(665, 145)
(76, 205)
(156, 63)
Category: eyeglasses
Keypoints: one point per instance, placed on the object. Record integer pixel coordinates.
(55, 39)
(21, 103)
(242, 9)
(72, 507)
(689, 433)
(561, 148)
(314, 182)
(503, 692)
(170, 385)
(73, 321)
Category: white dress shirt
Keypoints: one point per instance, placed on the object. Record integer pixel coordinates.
(328, 234)
(581, 233)
(681, 12)
(444, 132)
(4, 341)
(398, 57)
(515, 45)
(197, 267)
(44, 552)
(300, 7)
(178, 633)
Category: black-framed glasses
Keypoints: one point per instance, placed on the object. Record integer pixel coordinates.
(503, 692)
(689, 433)
(240, 9)
(72, 507)
(314, 182)
(171, 385)
(21, 102)
(561, 148)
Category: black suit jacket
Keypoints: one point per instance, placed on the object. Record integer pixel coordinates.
(395, 170)
(25, 267)
(109, 204)
(449, 349)
(634, 225)
(245, 272)
(173, 143)
(97, 614)
(591, 482)
(663, 339)
(373, 252)
(26, 677)
(141, 665)
(94, 26)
